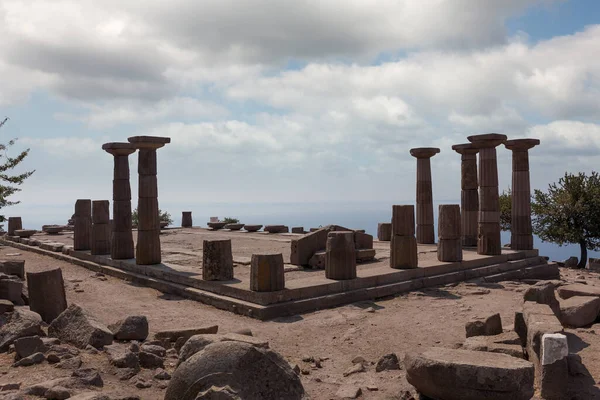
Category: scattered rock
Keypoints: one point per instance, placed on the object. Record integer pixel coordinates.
(348, 392)
(70, 363)
(469, 375)
(154, 349)
(125, 374)
(78, 327)
(26, 346)
(57, 393)
(358, 359)
(33, 359)
(149, 360)
(10, 386)
(142, 384)
(134, 347)
(244, 331)
(387, 362)
(161, 375)
(20, 323)
(6, 306)
(88, 377)
(250, 372)
(571, 262)
(505, 343)
(134, 327)
(578, 311)
(406, 395)
(172, 335)
(358, 367)
(491, 326)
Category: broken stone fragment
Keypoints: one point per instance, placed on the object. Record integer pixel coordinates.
(80, 328)
(134, 327)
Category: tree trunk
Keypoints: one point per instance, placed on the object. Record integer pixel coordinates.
(583, 259)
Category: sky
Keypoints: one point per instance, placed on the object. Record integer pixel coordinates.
(302, 101)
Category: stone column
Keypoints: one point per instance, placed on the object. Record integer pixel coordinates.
(425, 231)
(266, 272)
(488, 242)
(341, 256)
(403, 245)
(148, 242)
(121, 240)
(100, 227)
(186, 219)
(82, 232)
(469, 197)
(449, 241)
(384, 231)
(521, 232)
(14, 224)
(47, 293)
(217, 260)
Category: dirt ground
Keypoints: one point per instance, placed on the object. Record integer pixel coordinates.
(408, 322)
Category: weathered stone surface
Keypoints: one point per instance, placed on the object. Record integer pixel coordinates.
(387, 362)
(363, 240)
(403, 252)
(571, 262)
(266, 272)
(216, 225)
(57, 393)
(172, 335)
(298, 229)
(449, 250)
(236, 337)
(133, 327)
(554, 374)
(217, 260)
(252, 228)
(82, 234)
(505, 343)
(20, 323)
(469, 375)
(542, 293)
(78, 327)
(234, 227)
(11, 290)
(13, 267)
(403, 220)
(302, 249)
(341, 256)
(47, 293)
(154, 349)
(276, 229)
(186, 219)
(577, 289)
(578, 311)
(149, 360)
(492, 325)
(36, 358)
(14, 223)
(122, 358)
(384, 231)
(25, 233)
(26, 346)
(6, 306)
(250, 372)
(195, 344)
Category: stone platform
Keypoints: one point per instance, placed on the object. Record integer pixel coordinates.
(306, 289)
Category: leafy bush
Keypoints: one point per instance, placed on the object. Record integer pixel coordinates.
(163, 216)
(231, 220)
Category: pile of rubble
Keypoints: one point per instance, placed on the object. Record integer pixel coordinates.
(195, 363)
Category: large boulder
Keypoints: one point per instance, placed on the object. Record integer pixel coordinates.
(243, 371)
(78, 327)
(134, 327)
(578, 311)
(20, 323)
(578, 289)
(448, 374)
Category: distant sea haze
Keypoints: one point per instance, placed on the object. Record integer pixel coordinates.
(308, 215)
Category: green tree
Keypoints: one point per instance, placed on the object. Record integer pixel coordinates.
(231, 220)
(9, 184)
(570, 213)
(505, 210)
(163, 216)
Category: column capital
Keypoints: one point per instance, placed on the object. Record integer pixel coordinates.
(118, 149)
(487, 140)
(521, 144)
(148, 142)
(465, 148)
(424, 152)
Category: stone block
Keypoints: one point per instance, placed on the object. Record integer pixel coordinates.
(341, 256)
(449, 250)
(577, 289)
(579, 311)
(217, 261)
(186, 219)
(554, 379)
(13, 267)
(384, 231)
(403, 220)
(266, 272)
(302, 249)
(403, 252)
(276, 229)
(298, 229)
(47, 293)
(363, 240)
(469, 375)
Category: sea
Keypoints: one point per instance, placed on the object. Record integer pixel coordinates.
(355, 215)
